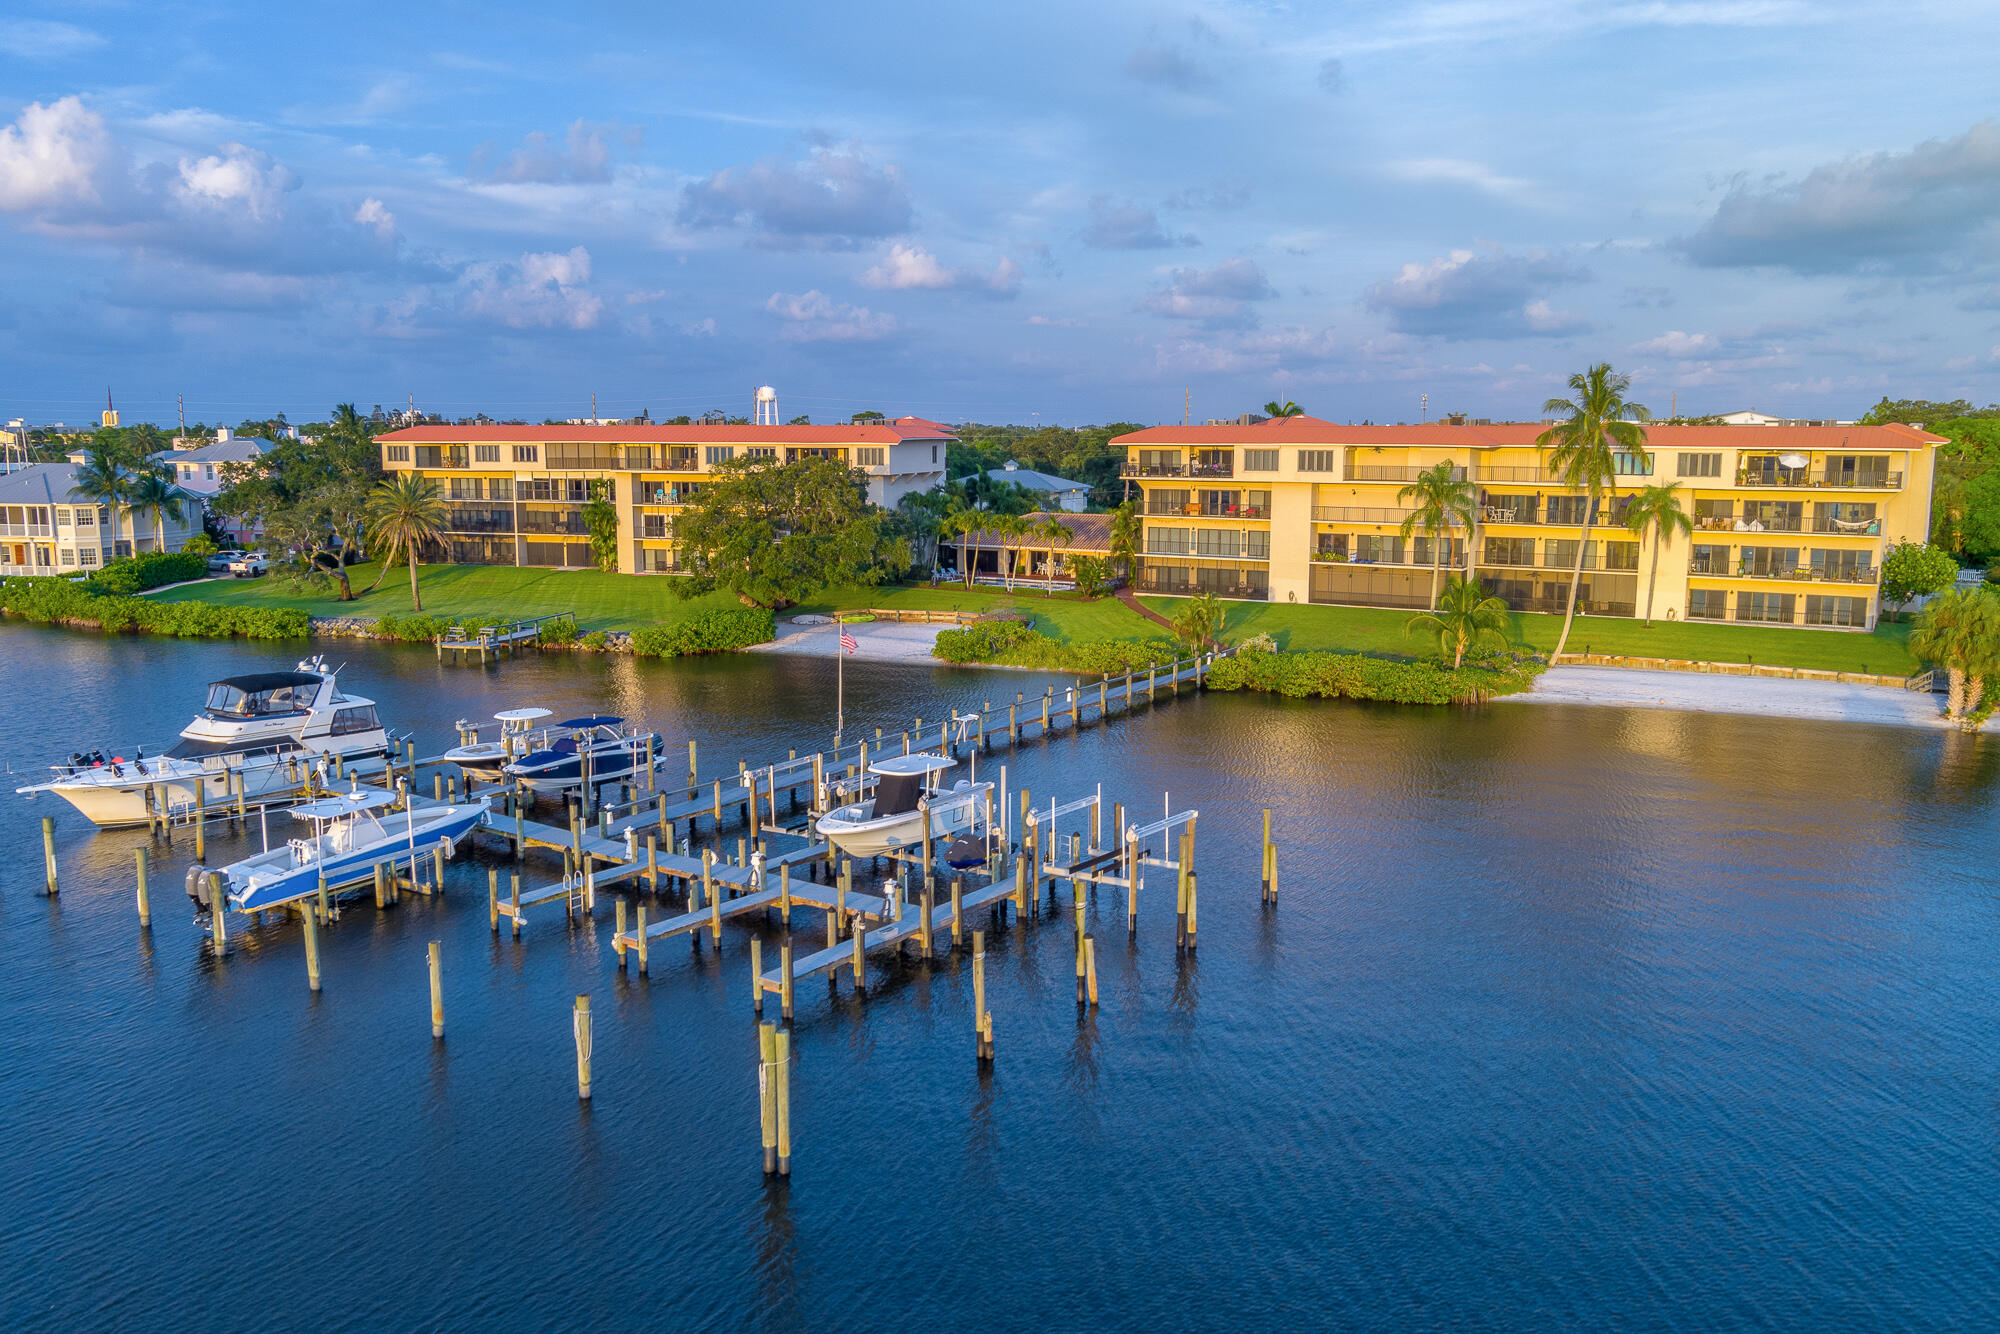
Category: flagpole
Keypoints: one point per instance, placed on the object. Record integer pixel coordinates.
(840, 684)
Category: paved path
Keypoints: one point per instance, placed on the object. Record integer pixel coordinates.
(1770, 697)
(880, 641)
(1130, 599)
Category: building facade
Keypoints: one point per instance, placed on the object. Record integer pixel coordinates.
(47, 528)
(198, 470)
(1791, 522)
(516, 493)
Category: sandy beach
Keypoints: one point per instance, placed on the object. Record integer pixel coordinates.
(877, 641)
(1770, 697)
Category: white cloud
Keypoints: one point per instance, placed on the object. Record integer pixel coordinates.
(913, 268)
(1456, 171)
(1218, 298)
(833, 200)
(1478, 294)
(1674, 343)
(374, 213)
(814, 317)
(544, 289)
(583, 156)
(1542, 318)
(51, 156)
(236, 176)
(42, 39)
(1045, 322)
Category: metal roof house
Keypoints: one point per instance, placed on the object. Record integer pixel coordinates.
(1064, 494)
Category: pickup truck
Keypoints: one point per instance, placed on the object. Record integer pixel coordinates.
(219, 562)
(249, 565)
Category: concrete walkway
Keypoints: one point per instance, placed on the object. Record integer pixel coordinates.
(1769, 697)
(879, 641)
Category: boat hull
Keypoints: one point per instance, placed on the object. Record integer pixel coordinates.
(434, 826)
(853, 832)
(608, 765)
(109, 799)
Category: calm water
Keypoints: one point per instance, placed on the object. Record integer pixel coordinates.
(1569, 1017)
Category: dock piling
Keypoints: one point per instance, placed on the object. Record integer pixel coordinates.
(580, 1026)
(978, 996)
(767, 1094)
(145, 897)
(757, 976)
(644, 950)
(493, 899)
(218, 911)
(784, 1101)
(785, 986)
(1090, 966)
(437, 989)
(309, 924)
(618, 931)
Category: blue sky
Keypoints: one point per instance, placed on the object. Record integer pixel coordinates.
(1029, 212)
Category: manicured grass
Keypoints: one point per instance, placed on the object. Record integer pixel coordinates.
(624, 601)
(1374, 629)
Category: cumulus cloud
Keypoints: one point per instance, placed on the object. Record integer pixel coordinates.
(1123, 225)
(237, 177)
(1216, 298)
(44, 39)
(1166, 67)
(1884, 212)
(833, 200)
(814, 317)
(52, 156)
(1456, 171)
(582, 156)
(1478, 294)
(374, 213)
(1675, 343)
(913, 268)
(541, 290)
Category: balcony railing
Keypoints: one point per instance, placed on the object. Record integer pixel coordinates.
(569, 525)
(1406, 561)
(1188, 551)
(1763, 523)
(1203, 509)
(1177, 470)
(1358, 514)
(1870, 481)
(1531, 475)
(1716, 569)
(26, 530)
(1369, 472)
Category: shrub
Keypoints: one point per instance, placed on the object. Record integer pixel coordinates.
(411, 629)
(1012, 644)
(594, 641)
(708, 632)
(1354, 676)
(149, 569)
(556, 633)
(71, 602)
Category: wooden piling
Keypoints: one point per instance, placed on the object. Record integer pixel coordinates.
(437, 989)
(1021, 889)
(381, 891)
(580, 1026)
(691, 773)
(1181, 893)
(1194, 893)
(309, 924)
(1082, 944)
(618, 931)
(757, 977)
(860, 957)
(1090, 965)
(1131, 888)
(650, 784)
(924, 922)
(784, 1101)
(200, 827)
(493, 898)
(767, 1094)
(785, 982)
(653, 860)
(145, 896)
(644, 949)
(218, 911)
(714, 901)
(514, 896)
(785, 896)
(957, 913)
(979, 995)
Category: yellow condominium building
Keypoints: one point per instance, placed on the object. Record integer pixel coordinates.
(516, 493)
(1791, 522)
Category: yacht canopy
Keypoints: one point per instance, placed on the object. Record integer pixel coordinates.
(912, 764)
(345, 803)
(520, 715)
(595, 720)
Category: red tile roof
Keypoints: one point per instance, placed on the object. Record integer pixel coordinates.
(1308, 431)
(871, 433)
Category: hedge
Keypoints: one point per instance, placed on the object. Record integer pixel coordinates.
(1353, 676)
(148, 569)
(1012, 644)
(708, 632)
(72, 602)
(414, 629)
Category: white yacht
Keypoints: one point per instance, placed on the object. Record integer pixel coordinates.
(485, 759)
(262, 732)
(906, 787)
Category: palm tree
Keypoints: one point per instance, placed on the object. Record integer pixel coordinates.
(1057, 534)
(1285, 409)
(963, 522)
(1443, 499)
(1010, 529)
(404, 512)
(153, 489)
(1464, 616)
(1657, 508)
(1125, 536)
(1960, 632)
(102, 477)
(1582, 451)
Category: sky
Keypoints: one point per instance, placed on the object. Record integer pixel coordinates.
(1032, 212)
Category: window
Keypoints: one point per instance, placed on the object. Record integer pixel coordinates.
(1166, 541)
(1714, 514)
(638, 458)
(933, 453)
(1621, 555)
(1836, 611)
(63, 515)
(1767, 471)
(486, 453)
(1709, 560)
(1317, 460)
(527, 453)
(1510, 551)
(1424, 552)
(498, 488)
(653, 525)
(1169, 500)
(1769, 562)
(346, 722)
(535, 488)
(869, 458)
(1224, 542)
(1257, 543)
(1631, 464)
(1846, 516)
(396, 453)
(1770, 607)
(1701, 465)
(715, 454)
(86, 518)
(1260, 460)
(208, 471)
(760, 452)
(1560, 553)
(1708, 604)
(1370, 547)
(87, 556)
(1567, 509)
(68, 556)
(1842, 566)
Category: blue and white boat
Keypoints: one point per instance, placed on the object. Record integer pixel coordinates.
(352, 834)
(592, 750)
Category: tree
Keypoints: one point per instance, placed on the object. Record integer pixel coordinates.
(1443, 499)
(1284, 409)
(600, 516)
(314, 491)
(922, 515)
(1125, 529)
(1912, 411)
(800, 421)
(1200, 621)
(1010, 529)
(1056, 533)
(964, 523)
(1657, 508)
(102, 477)
(862, 418)
(1914, 569)
(1582, 451)
(1960, 632)
(1092, 575)
(775, 533)
(1464, 616)
(404, 513)
(153, 489)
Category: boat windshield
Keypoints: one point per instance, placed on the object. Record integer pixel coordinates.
(897, 794)
(227, 698)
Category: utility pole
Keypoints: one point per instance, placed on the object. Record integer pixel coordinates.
(181, 410)
(1187, 405)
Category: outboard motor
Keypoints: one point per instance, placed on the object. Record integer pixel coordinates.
(197, 885)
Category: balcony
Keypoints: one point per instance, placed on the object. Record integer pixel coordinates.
(568, 525)
(1358, 514)
(443, 456)
(1717, 569)
(478, 519)
(681, 460)
(1798, 480)
(1532, 476)
(1368, 472)
(1177, 470)
(1394, 561)
(26, 530)
(1203, 509)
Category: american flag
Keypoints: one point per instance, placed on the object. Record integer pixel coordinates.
(847, 643)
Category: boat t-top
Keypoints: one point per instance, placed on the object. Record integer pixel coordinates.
(906, 786)
(597, 749)
(485, 759)
(262, 732)
(353, 832)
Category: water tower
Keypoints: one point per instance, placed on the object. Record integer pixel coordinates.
(765, 405)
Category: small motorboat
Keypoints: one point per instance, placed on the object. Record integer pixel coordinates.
(591, 750)
(352, 834)
(259, 734)
(484, 760)
(906, 789)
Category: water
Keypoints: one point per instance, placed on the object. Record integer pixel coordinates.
(1570, 1017)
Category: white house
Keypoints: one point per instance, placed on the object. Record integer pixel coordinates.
(47, 528)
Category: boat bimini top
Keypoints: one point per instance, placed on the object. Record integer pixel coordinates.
(344, 803)
(900, 782)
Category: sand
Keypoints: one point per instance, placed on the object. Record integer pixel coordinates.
(1770, 697)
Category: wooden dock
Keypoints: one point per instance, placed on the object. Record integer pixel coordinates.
(492, 641)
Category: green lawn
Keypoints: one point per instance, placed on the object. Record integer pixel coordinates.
(624, 601)
(1324, 627)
